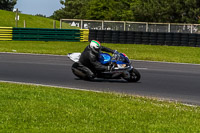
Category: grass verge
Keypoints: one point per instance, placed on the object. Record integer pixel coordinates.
(7, 19)
(134, 51)
(26, 108)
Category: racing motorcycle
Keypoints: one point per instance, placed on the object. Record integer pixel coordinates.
(121, 67)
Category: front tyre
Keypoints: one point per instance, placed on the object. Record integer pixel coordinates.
(134, 76)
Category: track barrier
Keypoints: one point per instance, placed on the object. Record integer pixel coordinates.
(104, 36)
(151, 38)
(6, 33)
(39, 34)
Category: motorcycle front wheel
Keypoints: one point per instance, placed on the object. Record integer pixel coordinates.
(134, 76)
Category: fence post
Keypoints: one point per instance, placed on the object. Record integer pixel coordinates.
(169, 27)
(60, 23)
(16, 18)
(102, 25)
(24, 23)
(81, 24)
(124, 25)
(54, 24)
(147, 27)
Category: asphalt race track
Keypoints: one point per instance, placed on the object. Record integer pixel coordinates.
(171, 81)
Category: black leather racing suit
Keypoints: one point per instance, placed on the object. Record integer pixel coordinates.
(89, 61)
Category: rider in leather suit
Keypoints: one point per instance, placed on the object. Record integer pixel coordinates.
(89, 63)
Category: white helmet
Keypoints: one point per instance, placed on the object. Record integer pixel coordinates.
(95, 46)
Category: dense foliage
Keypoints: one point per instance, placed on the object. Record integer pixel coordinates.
(73, 9)
(109, 10)
(95, 9)
(7, 4)
(174, 11)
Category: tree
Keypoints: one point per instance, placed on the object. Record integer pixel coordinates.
(117, 10)
(73, 9)
(7, 4)
(173, 11)
(95, 9)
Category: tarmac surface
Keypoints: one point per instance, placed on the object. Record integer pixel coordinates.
(171, 81)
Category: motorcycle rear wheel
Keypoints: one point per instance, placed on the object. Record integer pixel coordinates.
(134, 76)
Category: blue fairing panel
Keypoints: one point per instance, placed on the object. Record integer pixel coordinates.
(104, 58)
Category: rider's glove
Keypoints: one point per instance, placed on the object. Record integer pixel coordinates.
(115, 52)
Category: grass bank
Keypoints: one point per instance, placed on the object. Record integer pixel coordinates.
(25, 108)
(138, 52)
(7, 19)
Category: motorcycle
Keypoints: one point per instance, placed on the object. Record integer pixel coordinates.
(121, 67)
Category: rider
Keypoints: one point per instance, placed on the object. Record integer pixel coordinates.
(89, 60)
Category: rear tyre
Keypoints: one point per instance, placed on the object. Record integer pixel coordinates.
(134, 76)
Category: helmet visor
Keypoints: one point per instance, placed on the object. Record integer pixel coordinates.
(97, 49)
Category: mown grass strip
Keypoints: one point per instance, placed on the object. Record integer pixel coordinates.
(27, 108)
(134, 51)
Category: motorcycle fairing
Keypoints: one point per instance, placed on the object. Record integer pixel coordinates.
(104, 58)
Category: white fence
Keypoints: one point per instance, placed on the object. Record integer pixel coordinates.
(132, 26)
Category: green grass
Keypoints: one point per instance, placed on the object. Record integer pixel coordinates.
(26, 108)
(7, 19)
(138, 52)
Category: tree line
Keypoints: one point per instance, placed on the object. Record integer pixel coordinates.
(7, 4)
(165, 11)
